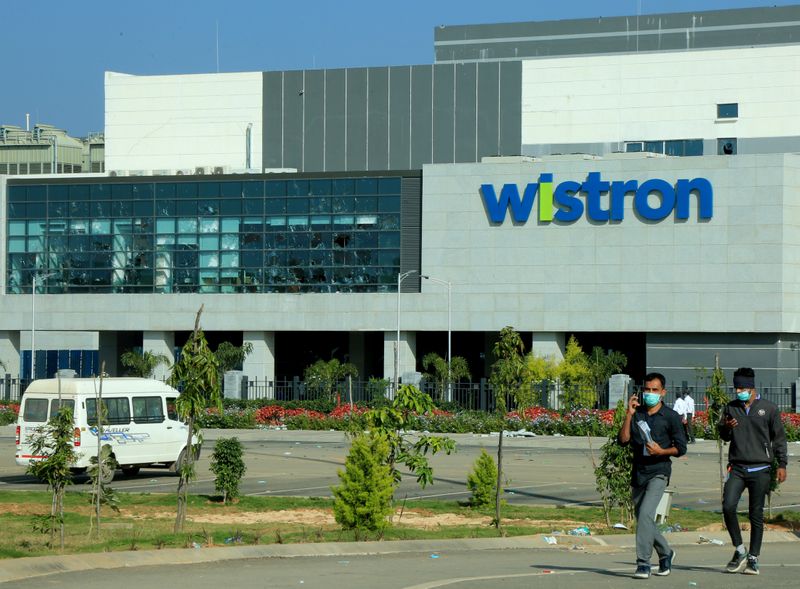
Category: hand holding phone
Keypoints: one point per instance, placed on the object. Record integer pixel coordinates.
(633, 403)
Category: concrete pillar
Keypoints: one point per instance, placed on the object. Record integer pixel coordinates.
(10, 352)
(160, 342)
(108, 352)
(549, 344)
(356, 349)
(260, 363)
(408, 353)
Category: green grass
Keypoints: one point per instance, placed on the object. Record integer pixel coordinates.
(148, 532)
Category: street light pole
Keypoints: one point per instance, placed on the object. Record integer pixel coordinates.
(449, 286)
(400, 278)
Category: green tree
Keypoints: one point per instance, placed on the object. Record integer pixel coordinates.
(393, 421)
(613, 474)
(228, 467)
(54, 442)
(540, 371)
(508, 376)
(575, 378)
(142, 364)
(230, 357)
(482, 481)
(439, 372)
(323, 377)
(363, 501)
(602, 364)
(196, 375)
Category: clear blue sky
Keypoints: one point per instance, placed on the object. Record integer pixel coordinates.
(55, 52)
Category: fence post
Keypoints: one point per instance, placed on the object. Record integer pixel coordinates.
(483, 396)
(7, 387)
(243, 388)
(296, 388)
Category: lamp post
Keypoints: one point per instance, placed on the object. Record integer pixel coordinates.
(33, 320)
(449, 285)
(400, 278)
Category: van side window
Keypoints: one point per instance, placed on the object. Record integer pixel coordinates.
(148, 410)
(118, 411)
(35, 410)
(172, 411)
(54, 406)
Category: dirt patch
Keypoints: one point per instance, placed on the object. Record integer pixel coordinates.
(770, 527)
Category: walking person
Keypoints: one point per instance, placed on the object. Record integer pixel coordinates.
(655, 433)
(689, 426)
(681, 407)
(754, 429)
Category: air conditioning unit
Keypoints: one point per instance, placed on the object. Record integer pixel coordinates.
(219, 170)
(199, 171)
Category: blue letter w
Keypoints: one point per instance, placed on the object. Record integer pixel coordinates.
(509, 197)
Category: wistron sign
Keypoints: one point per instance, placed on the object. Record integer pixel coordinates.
(566, 202)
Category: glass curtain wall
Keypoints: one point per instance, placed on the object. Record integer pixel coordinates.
(206, 235)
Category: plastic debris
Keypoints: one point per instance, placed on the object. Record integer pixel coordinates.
(196, 545)
(619, 526)
(262, 482)
(344, 562)
(702, 501)
(692, 584)
(577, 547)
(287, 453)
(550, 539)
(581, 531)
(434, 555)
(546, 571)
(714, 541)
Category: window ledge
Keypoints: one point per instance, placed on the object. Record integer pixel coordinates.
(727, 120)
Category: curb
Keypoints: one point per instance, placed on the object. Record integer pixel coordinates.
(24, 568)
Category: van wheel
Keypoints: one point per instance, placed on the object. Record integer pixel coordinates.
(108, 469)
(130, 471)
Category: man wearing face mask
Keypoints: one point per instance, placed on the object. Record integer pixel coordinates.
(655, 433)
(753, 427)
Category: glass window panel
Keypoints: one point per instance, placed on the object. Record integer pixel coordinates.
(276, 221)
(297, 206)
(275, 206)
(389, 185)
(344, 220)
(298, 222)
(726, 146)
(16, 244)
(209, 281)
(250, 189)
(166, 208)
(165, 225)
(209, 259)
(58, 192)
(36, 228)
(275, 188)
(165, 190)
(209, 242)
(208, 207)
(35, 410)
(654, 146)
(390, 222)
(320, 204)
(364, 239)
(142, 191)
(252, 259)
(123, 226)
(17, 210)
(229, 259)
(122, 208)
(274, 258)
(143, 208)
(389, 204)
(186, 207)
(693, 147)
(188, 240)
(320, 220)
(252, 206)
(230, 207)
(634, 147)
(80, 226)
(36, 210)
(16, 227)
(100, 208)
(121, 191)
(187, 189)
(728, 111)
(17, 194)
(57, 209)
(389, 240)
(366, 186)
(318, 187)
(230, 224)
(101, 226)
(230, 241)
(230, 189)
(187, 225)
(298, 240)
(165, 239)
(209, 225)
(79, 208)
(673, 148)
(36, 244)
(366, 204)
(206, 189)
(297, 188)
(343, 204)
(366, 221)
(147, 410)
(343, 186)
(342, 240)
(99, 191)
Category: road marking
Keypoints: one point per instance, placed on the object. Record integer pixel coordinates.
(287, 490)
(147, 485)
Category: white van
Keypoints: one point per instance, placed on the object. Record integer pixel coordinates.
(141, 424)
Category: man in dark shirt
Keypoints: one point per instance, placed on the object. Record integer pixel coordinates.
(655, 433)
(754, 428)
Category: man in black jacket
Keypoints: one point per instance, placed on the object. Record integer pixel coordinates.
(655, 433)
(753, 427)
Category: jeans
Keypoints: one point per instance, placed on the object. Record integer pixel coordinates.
(757, 485)
(645, 502)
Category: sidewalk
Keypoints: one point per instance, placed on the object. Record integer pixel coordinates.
(23, 568)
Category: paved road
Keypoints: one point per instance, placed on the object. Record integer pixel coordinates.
(697, 566)
(540, 470)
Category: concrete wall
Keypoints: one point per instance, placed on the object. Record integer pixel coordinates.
(181, 122)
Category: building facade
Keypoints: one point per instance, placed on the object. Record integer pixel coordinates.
(604, 182)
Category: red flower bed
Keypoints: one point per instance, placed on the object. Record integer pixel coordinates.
(275, 414)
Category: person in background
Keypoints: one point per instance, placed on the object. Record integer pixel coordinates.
(680, 407)
(656, 434)
(688, 425)
(754, 429)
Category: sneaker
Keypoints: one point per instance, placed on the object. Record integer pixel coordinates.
(737, 563)
(665, 565)
(752, 566)
(642, 572)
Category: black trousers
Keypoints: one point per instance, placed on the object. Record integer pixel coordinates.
(688, 427)
(757, 485)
